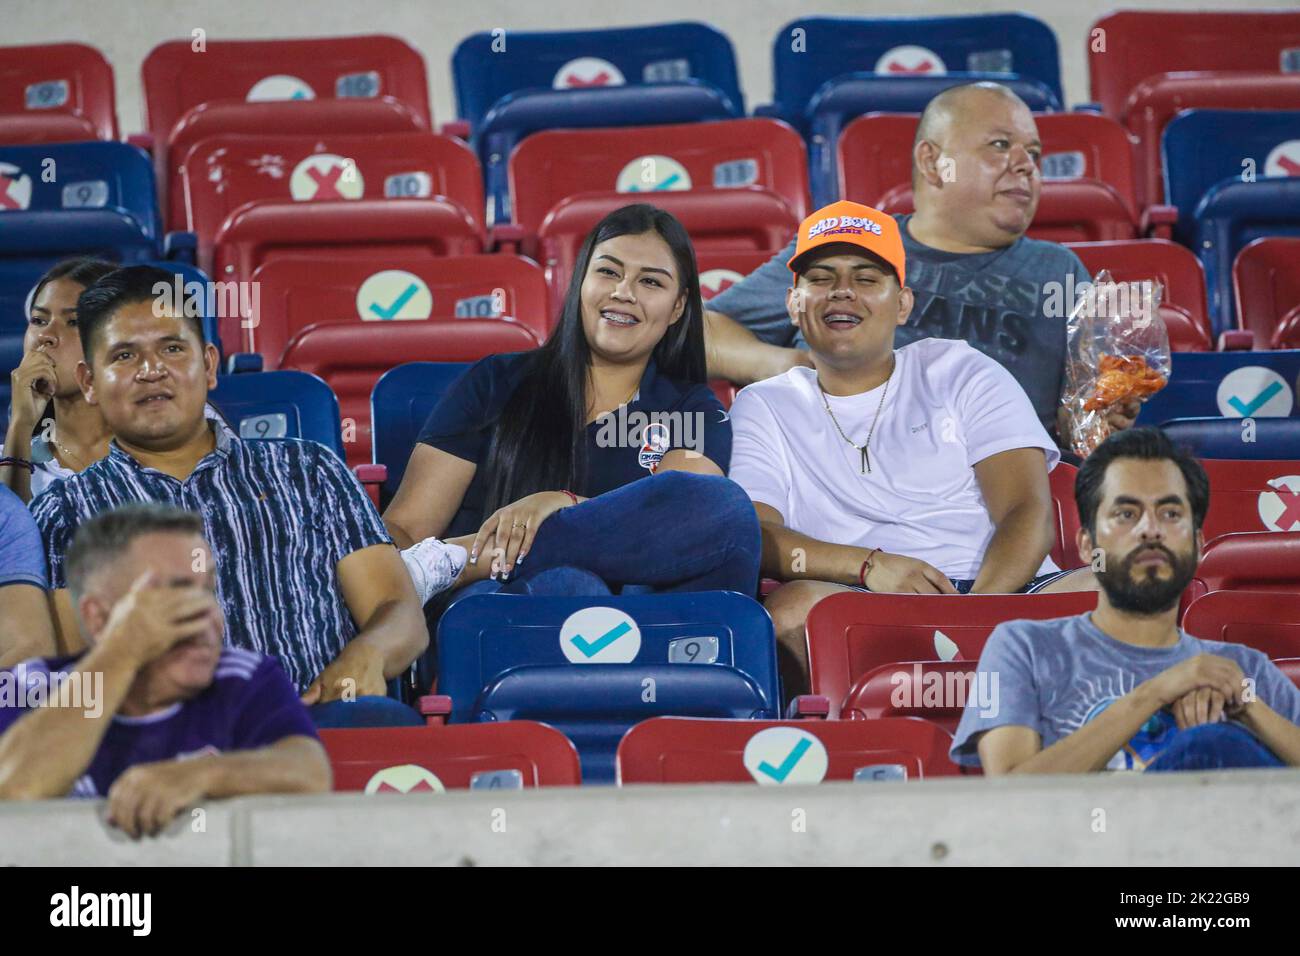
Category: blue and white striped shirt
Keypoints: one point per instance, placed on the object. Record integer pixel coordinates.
(280, 515)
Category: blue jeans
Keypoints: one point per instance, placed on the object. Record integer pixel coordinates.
(1214, 747)
(672, 532)
(368, 711)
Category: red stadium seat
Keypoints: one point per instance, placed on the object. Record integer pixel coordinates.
(1252, 496)
(1082, 210)
(1159, 98)
(332, 287)
(696, 750)
(221, 173)
(1126, 47)
(351, 358)
(55, 93)
(1249, 561)
(852, 633)
(935, 691)
(1266, 282)
(550, 166)
(1175, 267)
(508, 755)
(1065, 553)
(719, 271)
(874, 153)
(1268, 621)
(732, 221)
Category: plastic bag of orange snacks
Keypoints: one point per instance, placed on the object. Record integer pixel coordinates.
(1118, 351)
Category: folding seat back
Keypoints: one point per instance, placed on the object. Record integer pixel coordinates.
(1228, 384)
(519, 115)
(400, 404)
(812, 50)
(1250, 561)
(1128, 46)
(935, 691)
(850, 95)
(1266, 283)
(1065, 516)
(55, 89)
(748, 220)
(351, 357)
(719, 271)
(852, 633)
(593, 667)
(1231, 216)
(487, 66)
(355, 288)
(1264, 439)
(552, 165)
(1179, 273)
(507, 756)
(283, 404)
(222, 173)
(1247, 495)
(777, 752)
(109, 178)
(1268, 621)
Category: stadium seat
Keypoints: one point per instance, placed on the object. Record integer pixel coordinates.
(1064, 553)
(1268, 621)
(519, 115)
(1250, 561)
(593, 667)
(355, 287)
(719, 271)
(221, 173)
(400, 404)
(506, 756)
(283, 404)
(1227, 384)
(1266, 285)
(808, 52)
(695, 750)
(553, 165)
(846, 97)
(1248, 495)
(852, 633)
(747, 220)
(935, 691)
(1231, 216)
(1128, 46)
(874, 154)
(1262, 439)
(489, 65)
(1158, 99)
(351, 357)
(55, 93)
(1177, 270)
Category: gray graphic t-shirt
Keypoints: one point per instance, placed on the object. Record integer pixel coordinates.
(1055, 676)
(996, 301)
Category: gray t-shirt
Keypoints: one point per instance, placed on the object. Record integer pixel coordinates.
(1055, 676)
(996, 301)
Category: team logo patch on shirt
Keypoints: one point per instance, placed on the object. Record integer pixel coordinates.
(655, 441)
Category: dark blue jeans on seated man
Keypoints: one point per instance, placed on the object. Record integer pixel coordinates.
(671, 532)
(1221, 746)
(367, 711)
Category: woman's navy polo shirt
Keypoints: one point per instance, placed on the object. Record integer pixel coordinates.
(621, 446)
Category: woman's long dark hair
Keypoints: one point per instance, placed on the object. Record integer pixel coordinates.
(539, 440)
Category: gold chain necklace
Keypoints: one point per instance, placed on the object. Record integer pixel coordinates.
(865, 448)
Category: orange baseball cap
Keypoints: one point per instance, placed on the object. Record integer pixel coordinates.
(856, 224)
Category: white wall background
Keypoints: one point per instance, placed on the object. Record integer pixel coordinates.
(125, 30)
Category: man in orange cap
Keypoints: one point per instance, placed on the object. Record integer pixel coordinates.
(921, 469)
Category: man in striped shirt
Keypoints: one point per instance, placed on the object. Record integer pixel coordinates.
(305, 569)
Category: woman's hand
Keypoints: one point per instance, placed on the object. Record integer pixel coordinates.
(34, 382)
(508, 532)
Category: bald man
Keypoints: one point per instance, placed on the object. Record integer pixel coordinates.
(975, 276)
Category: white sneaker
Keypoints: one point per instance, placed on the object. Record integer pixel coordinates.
(434, 566)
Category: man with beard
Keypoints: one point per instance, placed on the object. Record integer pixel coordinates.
(1122, 687)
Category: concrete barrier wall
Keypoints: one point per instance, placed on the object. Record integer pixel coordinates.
(1250, 817)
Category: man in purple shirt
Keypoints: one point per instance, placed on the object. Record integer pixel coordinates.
(156, 715)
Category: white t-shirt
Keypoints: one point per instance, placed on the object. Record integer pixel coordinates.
(948, 408)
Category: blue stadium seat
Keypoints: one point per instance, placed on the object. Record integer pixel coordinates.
(486, 67)
(1231, 216)
(843, 99)
(399, 405)
(1269, 439)
(708, 654)
(1201, 148)
(1227, 384)
(516, 115)
(809, 51)
(80, 176)
(281, 404)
